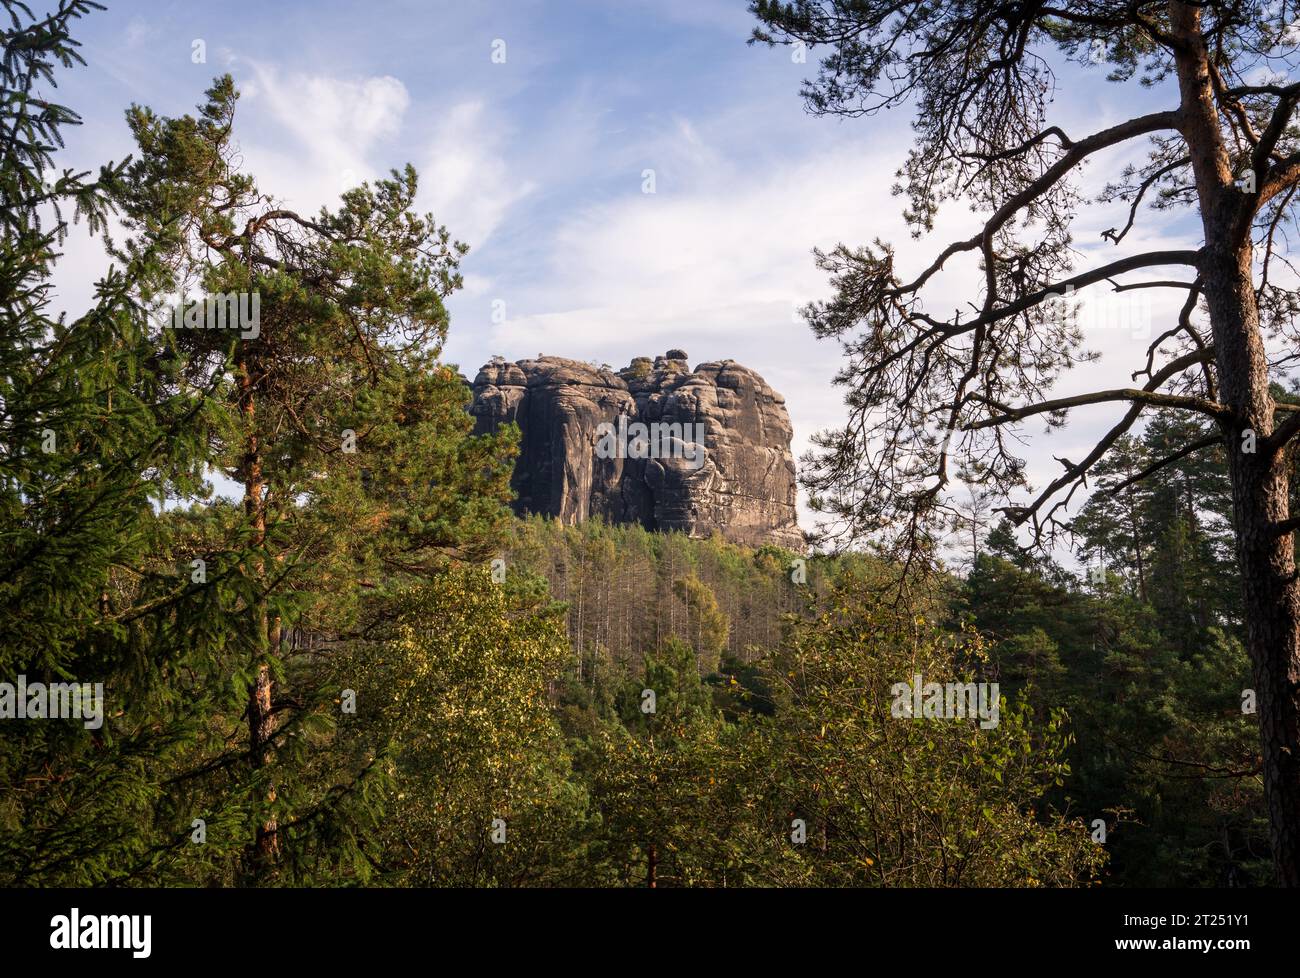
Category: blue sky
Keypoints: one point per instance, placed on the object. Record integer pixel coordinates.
(537, 163)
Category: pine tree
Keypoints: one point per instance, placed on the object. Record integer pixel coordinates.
(351, 440)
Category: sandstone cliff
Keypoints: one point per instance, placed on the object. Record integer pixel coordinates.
(740, 480)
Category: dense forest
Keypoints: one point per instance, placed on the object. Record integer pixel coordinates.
(363, 669)
(1141, 667)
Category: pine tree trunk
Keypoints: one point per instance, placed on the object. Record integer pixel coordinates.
(266, 847)
(1259, 478)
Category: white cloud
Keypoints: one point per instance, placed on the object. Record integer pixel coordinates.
(139, 32)
(342, 116)
(325, 131)
(466, 182)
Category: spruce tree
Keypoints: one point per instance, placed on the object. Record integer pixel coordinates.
(91, 443)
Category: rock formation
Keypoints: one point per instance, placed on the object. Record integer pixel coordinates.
(740, 480)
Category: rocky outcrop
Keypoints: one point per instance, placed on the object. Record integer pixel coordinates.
(655, 443)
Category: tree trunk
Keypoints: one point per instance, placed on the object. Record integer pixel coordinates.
(266, 847)
(1259, 478)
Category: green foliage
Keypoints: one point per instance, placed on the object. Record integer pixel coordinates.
(1150, 664)
(705, 623)
(119, 567)
(92, 442)
(456, 700)
(892, 801)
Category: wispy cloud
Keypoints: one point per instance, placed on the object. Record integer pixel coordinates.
(315, 135)
(467, 183)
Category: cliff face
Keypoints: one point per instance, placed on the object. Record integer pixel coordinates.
(714, 451)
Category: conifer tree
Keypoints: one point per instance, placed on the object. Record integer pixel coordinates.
(351, 441)
(91, 443)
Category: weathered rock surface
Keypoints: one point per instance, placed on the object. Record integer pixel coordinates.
(742, 483)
